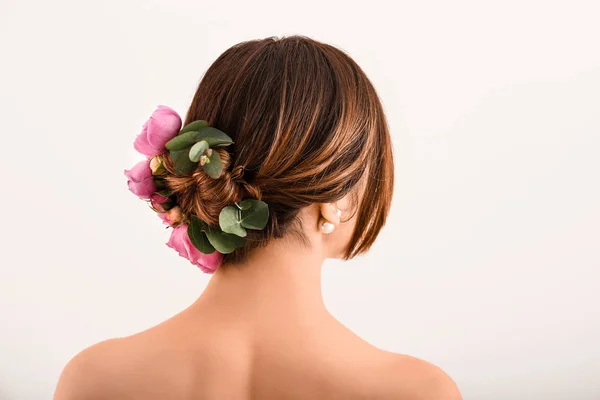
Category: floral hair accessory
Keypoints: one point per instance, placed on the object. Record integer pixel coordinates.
(192, 146)
(158, 130)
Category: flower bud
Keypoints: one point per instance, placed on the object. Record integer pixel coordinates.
(204, 159)
(174, 215)
(157, 166)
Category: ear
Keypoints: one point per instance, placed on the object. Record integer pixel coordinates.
(329, 214)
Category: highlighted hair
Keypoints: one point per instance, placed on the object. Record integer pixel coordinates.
(307, 127)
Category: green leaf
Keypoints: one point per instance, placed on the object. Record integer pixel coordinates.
(194, 126)
(183, 164)
(229, 221)
(214, 137)
(255, 214)
(183, 141)
(224, 242)
(214, 167)
(246, 205)
(197, 150)
(198, 237)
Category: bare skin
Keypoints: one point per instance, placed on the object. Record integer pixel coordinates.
(258, 331)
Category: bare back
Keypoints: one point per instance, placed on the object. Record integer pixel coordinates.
(201, 355)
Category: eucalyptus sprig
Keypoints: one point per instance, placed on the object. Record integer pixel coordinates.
(233, 222)
(194, 145)
(248, 214)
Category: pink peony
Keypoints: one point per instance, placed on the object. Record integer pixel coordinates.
(180, 241)
(164, 124)
(140, 180)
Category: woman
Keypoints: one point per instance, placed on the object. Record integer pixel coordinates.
(298, 131)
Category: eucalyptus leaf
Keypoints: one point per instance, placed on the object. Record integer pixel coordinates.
(214, 137)
(214, 167)
(255, 216)
(212, 142)
(194, 126)
(183, 141)
(229, 221)
(198, 236)
(183, 164)
(245, 206)
(197, 150)
(224, 242)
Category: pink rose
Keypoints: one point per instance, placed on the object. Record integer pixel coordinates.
(157, 201)
(163, 125)
(180, 241)
(163, 218)
(140, 180)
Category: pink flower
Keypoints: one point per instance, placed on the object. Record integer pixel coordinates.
(140, 180)
(180, 241)
(163, 125)
(157, 200)
(163, 217)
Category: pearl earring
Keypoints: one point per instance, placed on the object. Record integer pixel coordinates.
(327, 227)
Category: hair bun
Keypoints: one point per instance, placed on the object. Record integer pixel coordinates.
(238, 175)
(205, 197)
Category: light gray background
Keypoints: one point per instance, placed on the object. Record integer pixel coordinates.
(488, 266)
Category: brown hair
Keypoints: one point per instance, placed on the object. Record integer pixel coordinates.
(307, 127)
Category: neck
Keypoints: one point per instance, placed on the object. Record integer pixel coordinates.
(282, 279)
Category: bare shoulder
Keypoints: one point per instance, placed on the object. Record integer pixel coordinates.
(89, 375)
(411, 378)
(130, 367)
(384, 375)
